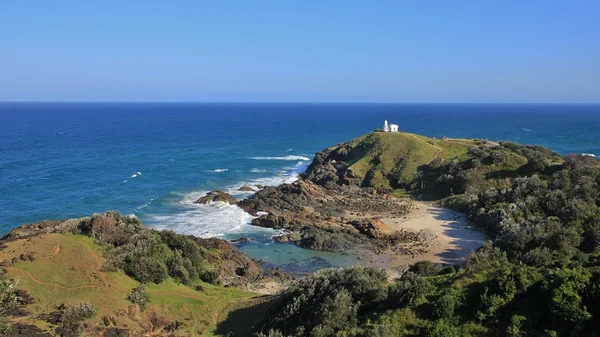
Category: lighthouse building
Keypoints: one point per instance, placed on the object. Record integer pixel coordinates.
(389, 127)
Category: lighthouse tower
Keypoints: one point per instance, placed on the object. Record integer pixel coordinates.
(389, 127)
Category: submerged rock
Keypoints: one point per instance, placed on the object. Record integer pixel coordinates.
(215, 196)
(243, 239)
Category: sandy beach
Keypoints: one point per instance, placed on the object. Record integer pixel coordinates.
(449, 236)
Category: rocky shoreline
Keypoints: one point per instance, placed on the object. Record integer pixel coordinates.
(336, 207)
(313, 216)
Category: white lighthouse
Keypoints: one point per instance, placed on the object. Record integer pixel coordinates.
(389, 127)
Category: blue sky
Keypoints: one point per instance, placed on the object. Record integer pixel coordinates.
(315, 51)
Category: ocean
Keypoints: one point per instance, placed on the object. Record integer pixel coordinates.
(65, 160)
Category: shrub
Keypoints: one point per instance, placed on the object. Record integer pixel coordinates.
(8, 300)
(73, 315)
(445, 305)
(139, 296)
(210, 276)
(443, 328)
(325, 303)
(410, 289)
(425, 268)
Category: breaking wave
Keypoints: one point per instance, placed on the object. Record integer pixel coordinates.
(290, 157)
(207, 220)
(218, 219)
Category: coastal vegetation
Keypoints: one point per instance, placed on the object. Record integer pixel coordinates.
(109, 274)
(537, 275)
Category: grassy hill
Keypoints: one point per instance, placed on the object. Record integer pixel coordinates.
(423, 166)
(61, 270)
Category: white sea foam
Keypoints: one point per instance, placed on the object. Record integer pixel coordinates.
(218, 218)
(290, 157)
(221, 170)
(135, 175)
(286, 176)
(588, 154)
(255, 170)
(207, 220)
(289, 150)
(145, 205)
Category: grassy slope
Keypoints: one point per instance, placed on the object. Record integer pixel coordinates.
(66, 269)
(382, 151)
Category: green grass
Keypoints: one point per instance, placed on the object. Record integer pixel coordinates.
(383, 152)
(67, 269)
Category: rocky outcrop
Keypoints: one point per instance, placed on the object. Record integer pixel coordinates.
(314, 215)
(47, 226)
(290, 197)
(371, 228)
(330, 169)
(232, 263)
(246, 188)
(215, 196)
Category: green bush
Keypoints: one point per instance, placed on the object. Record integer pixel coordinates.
(425, 268)
(445, 305)
(326, 302)
(74, 315)
(410, 289)
(153, 256)
(139, 296)
(443, 328)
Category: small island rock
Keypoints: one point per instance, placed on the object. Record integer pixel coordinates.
(215, 196)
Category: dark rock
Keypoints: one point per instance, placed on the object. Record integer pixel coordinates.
(243, 239)
(22, 231)
(26, 257)
(26, 330)
(320, 239)
(116, 332)
(291, 197)
(215, 196)
(173, 326)
(23, 297)
(246, 188)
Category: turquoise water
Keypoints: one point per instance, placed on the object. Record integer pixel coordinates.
(63, 160)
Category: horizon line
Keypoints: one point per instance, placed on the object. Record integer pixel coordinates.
(298, 102)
